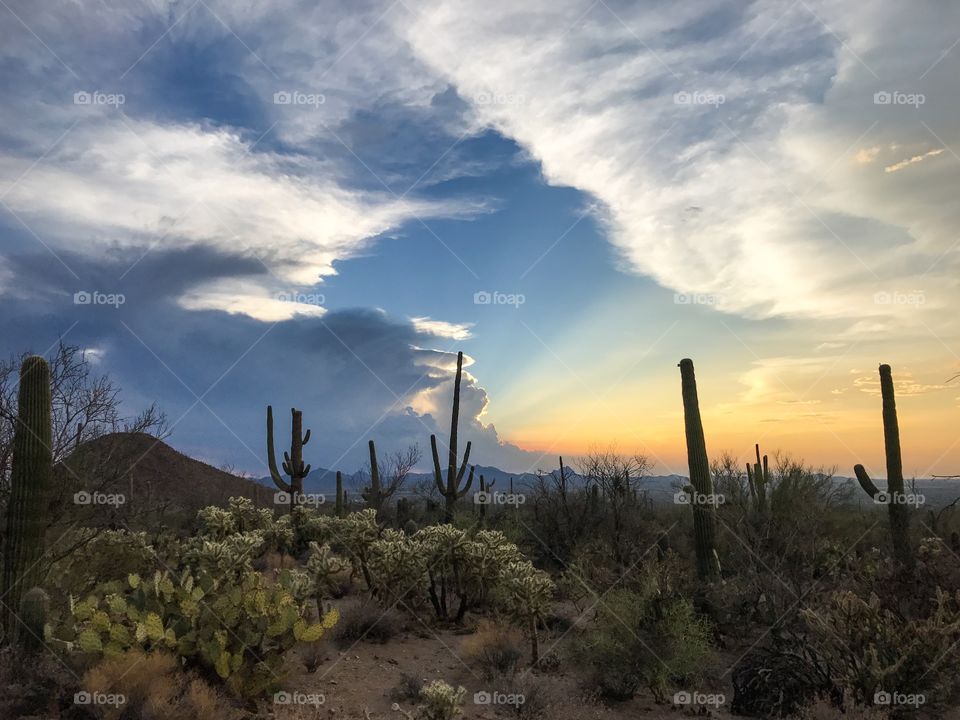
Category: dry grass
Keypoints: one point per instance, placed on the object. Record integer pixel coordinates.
(495, 649)
(155, 688)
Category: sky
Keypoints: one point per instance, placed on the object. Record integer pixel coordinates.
(232, 204)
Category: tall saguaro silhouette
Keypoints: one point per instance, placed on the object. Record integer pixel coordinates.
(451, 489)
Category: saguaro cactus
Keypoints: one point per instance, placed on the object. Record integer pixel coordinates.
(897, 507)
(704, 512)
(293, 461)
(29, 488)
(485, 488)
(339, 509)
(451, 490)
(374, 495)
(758, 478)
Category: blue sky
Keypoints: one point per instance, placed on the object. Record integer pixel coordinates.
(766, 187)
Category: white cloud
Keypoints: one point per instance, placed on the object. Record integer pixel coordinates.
(137, 184)
(442, 328)
(790, 216)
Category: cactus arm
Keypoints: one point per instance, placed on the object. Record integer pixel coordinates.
(306, 438)
(463, 466)
(865, 482)
(751, 483)
(466, 488)
(436, 465)
(271, 457)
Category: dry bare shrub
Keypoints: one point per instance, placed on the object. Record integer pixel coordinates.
(134, 675)
(365, 621)
(154, 687)
(494, 649)
(205, 702)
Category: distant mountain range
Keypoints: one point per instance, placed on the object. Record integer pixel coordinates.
(152, 474)
(661, 488)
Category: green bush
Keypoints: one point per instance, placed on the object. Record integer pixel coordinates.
(643, 640)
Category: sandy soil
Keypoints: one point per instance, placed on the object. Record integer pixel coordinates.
(358, 683)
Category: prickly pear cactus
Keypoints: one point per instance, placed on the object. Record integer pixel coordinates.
(238, 627)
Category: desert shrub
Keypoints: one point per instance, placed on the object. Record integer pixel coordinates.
(779, 680)
(643, 640)
(366, 621)
(440, 701)
(153, 687)
(408, 688)
(872, 650)
(238, 627)
(538, 695)
(494, 649)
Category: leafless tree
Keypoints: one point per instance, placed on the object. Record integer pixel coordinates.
(392, 473)
(618, 478)
(85, 407)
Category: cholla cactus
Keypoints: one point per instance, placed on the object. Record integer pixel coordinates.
(442, 547)
(240, 515)
(279, 534)
(441, 701)
(525, 593)
(233, 555)
(238, 627)
(322, 567)
(397, 567)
